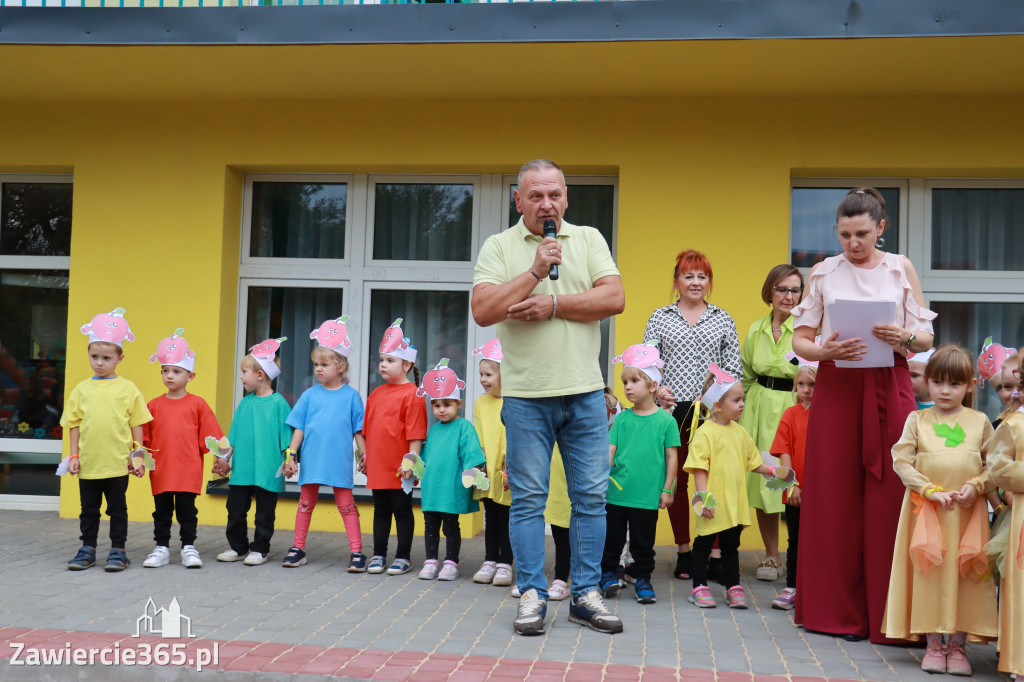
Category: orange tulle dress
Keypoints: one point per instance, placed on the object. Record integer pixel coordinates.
(941, 580)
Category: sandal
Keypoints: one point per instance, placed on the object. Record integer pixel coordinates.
(682, 571)
(117, 560)
(85, 558)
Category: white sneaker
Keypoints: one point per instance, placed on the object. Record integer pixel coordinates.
(190, 557)
(449, 571)
(160, 556)
(229, 555)
(255, 559)
(486, 573)
(558, 590)
(502, 575)
(515, 591)
(429, 570)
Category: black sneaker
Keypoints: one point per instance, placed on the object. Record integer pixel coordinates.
(609, 585)
(530, 616)
(589, 609)
(357, 563)
(295, 558)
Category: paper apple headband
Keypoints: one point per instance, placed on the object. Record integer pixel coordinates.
(722, 383)
(394, 343)
(174, 351)
(490, 351)
(333, 334)
(644, 357)
(264, 353)
(441, 383)
(109, 327)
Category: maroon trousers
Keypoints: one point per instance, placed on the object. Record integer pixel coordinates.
(851, 499)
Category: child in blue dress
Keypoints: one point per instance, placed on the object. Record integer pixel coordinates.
(326, 418)
(452, 447)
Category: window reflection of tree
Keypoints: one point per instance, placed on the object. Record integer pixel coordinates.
(36, 219)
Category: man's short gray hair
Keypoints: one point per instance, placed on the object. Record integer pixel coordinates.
(539, 164)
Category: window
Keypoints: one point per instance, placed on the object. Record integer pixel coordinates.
(35, 242)
(965, 239)
(379, 247)
(813, 218)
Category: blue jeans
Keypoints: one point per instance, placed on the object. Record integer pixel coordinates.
(579, 424)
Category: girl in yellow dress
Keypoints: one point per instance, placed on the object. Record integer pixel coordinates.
(1007, 472)
(941, 583)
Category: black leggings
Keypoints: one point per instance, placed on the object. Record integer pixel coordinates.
(387, 503)
(92, 491)
(793, 525)
(169, 504)
(563, 552)
(497, 546)
(433, 523)
(729, 542)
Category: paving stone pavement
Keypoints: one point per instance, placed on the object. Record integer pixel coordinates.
(276, 623)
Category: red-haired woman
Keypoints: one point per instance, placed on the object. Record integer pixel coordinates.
(690, 333)
(851, 503)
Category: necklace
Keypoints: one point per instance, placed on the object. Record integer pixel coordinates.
(776, 330)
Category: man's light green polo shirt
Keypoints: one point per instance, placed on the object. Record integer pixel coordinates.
(556, 357)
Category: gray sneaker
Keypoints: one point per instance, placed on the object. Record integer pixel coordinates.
(589, 609)
(530, 617)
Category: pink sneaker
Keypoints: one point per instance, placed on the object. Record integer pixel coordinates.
(786, 600)
(934, 660)
(449, 571)
(701, 596)
(558, 590)
(736, 598)
(956, 660)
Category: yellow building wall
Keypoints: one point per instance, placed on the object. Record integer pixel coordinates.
(157, 203)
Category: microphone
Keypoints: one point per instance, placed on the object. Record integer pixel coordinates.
(549, 231)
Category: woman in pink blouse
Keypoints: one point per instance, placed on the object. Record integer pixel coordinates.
(852, 496)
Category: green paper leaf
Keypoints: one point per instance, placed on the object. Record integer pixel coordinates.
(954, 435)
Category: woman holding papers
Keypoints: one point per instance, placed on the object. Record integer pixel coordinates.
(862, 398)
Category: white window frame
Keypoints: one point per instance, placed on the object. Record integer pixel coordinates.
(256, 266)
(26, 445)
(904, 213)
(987, 282)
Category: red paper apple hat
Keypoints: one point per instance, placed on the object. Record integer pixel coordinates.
(109, 327)
(718, 388)
(490, 351)
(264, 353)
(394, 343)
(333, 334)
(644, 357)
(441, 383)
(174, 351)
(991, 359)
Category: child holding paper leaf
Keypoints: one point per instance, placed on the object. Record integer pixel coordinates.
(940, 582)
(450, 455)
(721, 453)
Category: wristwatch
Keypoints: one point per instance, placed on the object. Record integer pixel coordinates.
(910, 341)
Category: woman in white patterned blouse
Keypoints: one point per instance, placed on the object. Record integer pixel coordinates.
(690, 333)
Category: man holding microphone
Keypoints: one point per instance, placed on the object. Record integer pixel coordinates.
(548, 295)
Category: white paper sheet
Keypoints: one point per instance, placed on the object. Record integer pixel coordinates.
(854, 319)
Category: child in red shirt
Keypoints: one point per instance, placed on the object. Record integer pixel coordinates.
(181, 423)
(789, 445)
(395, 423)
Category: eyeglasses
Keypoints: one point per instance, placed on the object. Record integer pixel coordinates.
(787, 290)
